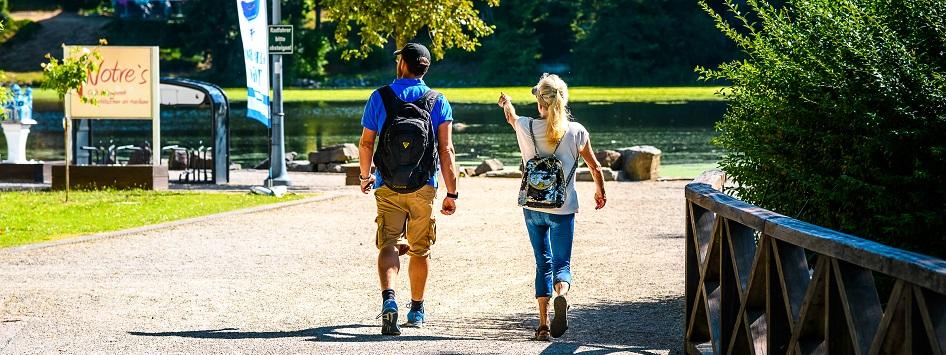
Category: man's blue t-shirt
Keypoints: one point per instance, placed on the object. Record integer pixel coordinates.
(407, 90)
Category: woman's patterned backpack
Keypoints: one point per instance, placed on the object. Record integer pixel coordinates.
(543, 181)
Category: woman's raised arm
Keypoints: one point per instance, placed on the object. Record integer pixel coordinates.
(508, 110)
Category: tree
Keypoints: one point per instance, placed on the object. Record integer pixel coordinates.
(634, 42)
(4, 91)
(449, 23)
(4, 11)
(837, 115)
(213, 32)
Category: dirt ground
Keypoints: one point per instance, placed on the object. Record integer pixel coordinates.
(302, 280)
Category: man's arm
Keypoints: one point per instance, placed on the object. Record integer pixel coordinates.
(365, 156)
(447, 164)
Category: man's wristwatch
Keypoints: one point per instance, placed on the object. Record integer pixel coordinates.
(364, 178)
(453, 196)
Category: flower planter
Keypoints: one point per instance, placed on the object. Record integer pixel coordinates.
(16, 134)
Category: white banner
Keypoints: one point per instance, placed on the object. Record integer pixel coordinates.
(254, 31)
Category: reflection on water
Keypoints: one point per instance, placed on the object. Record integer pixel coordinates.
(682, 131)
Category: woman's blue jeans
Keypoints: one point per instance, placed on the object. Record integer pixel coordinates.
(551, 236)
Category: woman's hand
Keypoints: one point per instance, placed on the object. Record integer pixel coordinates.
(504, 100)
(509, 111)
(600, 199)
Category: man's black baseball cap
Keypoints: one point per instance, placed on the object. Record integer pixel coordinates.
(415, 55)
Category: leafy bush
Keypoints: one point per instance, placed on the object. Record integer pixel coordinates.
(838, 113)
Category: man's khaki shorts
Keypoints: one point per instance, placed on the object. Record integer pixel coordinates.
(406, 216)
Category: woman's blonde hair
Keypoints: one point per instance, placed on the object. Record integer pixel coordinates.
(552, 94)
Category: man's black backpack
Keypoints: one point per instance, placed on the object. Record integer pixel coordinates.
(407, 154)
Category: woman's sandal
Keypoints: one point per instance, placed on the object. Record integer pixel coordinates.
(560, 320)
(542, 334)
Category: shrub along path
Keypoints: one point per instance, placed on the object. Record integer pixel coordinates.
(302, 279)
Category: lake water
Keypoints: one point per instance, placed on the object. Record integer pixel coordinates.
(681, 130)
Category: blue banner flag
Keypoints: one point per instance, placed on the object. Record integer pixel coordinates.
(253, 30)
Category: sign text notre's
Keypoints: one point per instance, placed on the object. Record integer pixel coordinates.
(129, 76)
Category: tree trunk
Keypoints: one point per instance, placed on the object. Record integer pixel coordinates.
(318, 15)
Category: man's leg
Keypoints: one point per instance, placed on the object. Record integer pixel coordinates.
(388, 267)
(421, 234)
(418, 273)
(391, 219)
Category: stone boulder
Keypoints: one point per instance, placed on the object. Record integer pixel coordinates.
(299, 165)
(584, 174)
(290, 158)
(641, 163)
(330, 168)
(340, 153)
(488, 165)
(504, 174)
(609, 159)
(714, 177)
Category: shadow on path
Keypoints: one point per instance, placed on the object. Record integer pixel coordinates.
(320, 334)
(644, 327)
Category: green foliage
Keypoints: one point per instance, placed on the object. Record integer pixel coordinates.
(515, 28)
(69, 74)
(837, 115)
(30, 217)
(449, 23)
(4, 91)
(4, 11)
(634, 42)
(214, 34)
(310, 60)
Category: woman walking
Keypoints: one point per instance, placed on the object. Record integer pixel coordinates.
(550, 147)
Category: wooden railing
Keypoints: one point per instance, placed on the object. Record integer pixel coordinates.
(761, 283)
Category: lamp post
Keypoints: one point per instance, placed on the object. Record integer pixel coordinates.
(277, 156)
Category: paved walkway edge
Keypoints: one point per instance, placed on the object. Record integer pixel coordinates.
(180, 222)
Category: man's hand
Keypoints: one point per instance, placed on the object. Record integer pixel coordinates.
(449, 206)
(366, 185)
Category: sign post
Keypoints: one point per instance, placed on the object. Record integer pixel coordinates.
(130, 76)
(277, 160)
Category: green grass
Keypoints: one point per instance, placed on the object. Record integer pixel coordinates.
(31, 78)
(685, 171)
(487, 95)
(30, 217)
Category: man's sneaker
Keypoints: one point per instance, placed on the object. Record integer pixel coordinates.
(415, 319)
(560, 320)
(389, 318)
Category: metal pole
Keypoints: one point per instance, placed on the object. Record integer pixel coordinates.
(277, 157)
(68, 129)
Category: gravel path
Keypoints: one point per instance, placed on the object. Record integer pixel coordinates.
(238, 285)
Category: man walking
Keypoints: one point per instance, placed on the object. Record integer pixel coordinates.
(412, 124)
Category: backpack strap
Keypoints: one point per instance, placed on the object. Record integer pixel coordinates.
(535, 145)
(428, 100)
(389, 100)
